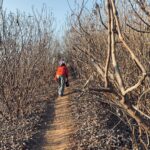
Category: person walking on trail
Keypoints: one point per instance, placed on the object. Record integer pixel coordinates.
(62, 77)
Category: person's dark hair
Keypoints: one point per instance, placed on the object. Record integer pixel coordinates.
(63, 64)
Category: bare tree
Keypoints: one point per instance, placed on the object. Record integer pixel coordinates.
(117, 64)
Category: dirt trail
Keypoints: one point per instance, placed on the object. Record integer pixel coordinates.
(57, 136)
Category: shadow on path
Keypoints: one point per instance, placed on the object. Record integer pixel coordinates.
(55, 135)
(72, 92)
(48, 117)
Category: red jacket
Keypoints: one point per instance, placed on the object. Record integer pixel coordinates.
(61, 71)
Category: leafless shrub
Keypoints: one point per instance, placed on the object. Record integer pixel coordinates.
(27, 50)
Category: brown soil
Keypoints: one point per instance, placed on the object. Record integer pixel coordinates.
(57, 135)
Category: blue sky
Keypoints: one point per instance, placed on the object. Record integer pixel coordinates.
(59, 8)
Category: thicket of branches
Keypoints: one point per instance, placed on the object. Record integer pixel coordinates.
(110, 45)
(28, 49)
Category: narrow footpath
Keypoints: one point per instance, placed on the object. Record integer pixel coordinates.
(57, 136)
